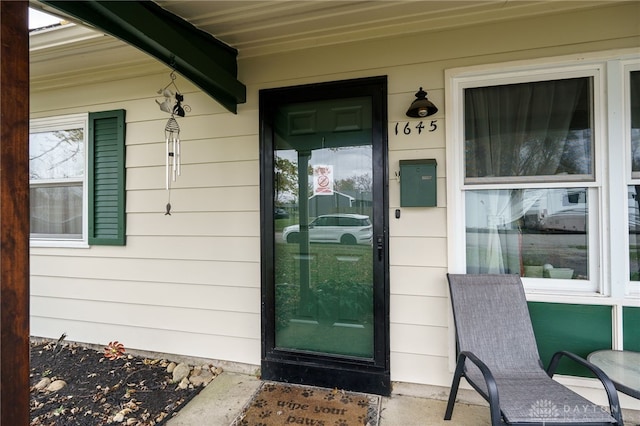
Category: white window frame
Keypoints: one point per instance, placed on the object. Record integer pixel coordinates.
(625, 68)
(603, 210)
(72, 121)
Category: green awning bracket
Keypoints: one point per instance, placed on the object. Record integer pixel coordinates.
(195, 54)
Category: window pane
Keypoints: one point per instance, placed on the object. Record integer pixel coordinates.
(56, 211)
(529, 130)
(634, 231)
(56, 154)
(537, 233)
(634, 87)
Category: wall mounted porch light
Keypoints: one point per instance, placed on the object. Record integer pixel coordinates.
(421, 106)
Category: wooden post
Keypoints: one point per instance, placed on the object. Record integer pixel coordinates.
(14, 213)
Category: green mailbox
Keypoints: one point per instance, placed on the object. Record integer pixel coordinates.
(418, 182)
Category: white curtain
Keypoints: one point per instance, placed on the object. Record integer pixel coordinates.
(634, 82)
(57, 211)
(496, 249)
(516, 130)
(523, 129)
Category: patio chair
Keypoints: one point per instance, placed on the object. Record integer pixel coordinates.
(498, 356)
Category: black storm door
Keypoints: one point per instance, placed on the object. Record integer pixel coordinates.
(324, 235)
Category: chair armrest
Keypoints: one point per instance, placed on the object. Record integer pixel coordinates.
(490, 381)
(609, 387)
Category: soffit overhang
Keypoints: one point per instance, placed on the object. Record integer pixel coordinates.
(66, 56)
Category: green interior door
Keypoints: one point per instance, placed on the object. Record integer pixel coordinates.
(324, 273)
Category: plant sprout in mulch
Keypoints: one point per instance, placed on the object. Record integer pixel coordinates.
(99, 388)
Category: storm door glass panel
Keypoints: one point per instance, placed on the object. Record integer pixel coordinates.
(323, 228)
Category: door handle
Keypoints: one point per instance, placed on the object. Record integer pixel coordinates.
(380, 247)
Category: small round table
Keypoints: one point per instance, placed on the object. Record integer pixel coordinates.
(622, 367)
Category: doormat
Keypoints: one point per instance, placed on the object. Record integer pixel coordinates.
(276, 404)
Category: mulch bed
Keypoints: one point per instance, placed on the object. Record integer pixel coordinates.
(276, 404)
(130, 391)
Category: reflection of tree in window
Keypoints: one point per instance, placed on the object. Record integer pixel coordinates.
(359, 183)
(286, 180)
(57, 154)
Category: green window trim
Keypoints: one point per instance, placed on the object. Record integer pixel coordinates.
(106, 178)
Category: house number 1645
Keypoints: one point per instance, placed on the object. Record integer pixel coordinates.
(408, 128)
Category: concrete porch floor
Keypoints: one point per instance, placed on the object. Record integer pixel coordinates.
(223, 399)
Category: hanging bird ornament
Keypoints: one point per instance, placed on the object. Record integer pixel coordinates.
(172, 104)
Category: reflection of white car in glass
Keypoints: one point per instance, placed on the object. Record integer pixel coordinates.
(334, 228)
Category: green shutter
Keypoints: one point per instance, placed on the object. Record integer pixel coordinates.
(107, 178)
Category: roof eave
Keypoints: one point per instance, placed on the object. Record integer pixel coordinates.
(195, 54)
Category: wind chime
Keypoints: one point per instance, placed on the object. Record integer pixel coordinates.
(172, 104)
